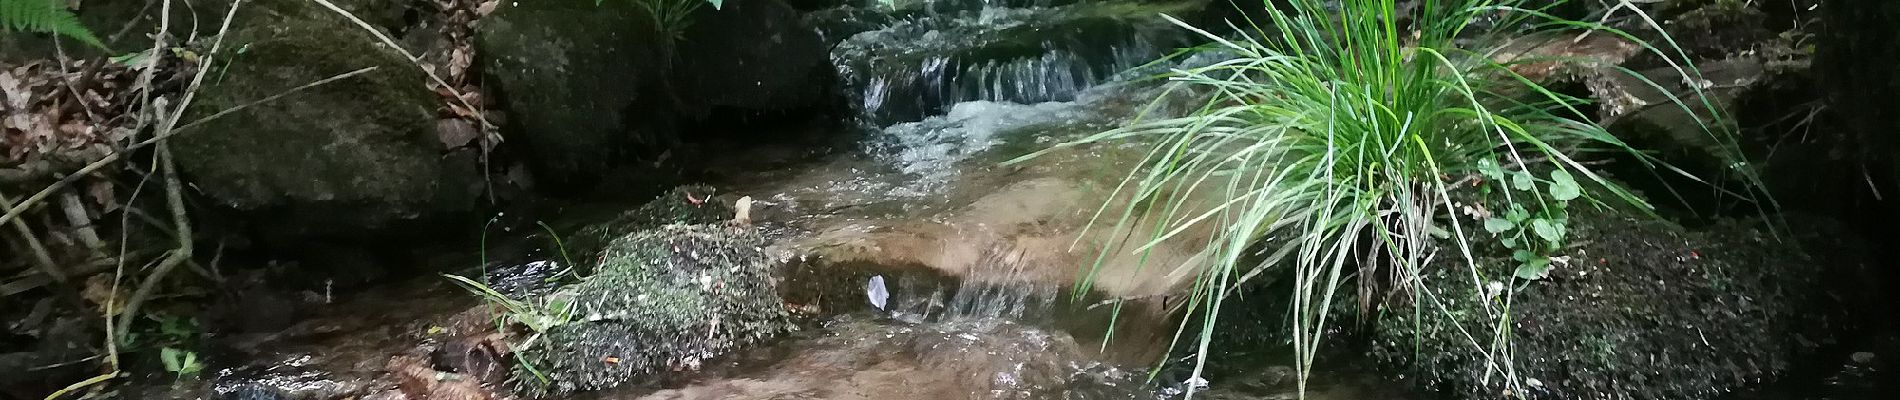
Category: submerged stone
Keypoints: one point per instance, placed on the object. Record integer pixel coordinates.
(661, 300)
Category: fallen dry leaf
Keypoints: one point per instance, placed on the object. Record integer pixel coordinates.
(455, 132)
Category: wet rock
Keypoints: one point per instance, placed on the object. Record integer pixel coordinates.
(916, 67)
(661, 300)
(688, 204)
(583, 86)
(355, 154)
(1658, 109)
(599, 96)
(1862, 357)
(254, 392)
(1640, 309)
(753, 56)
(480, 358)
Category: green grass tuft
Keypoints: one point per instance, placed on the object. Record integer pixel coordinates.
(1330, 146)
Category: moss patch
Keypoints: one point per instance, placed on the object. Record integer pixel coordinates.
(1643, 309)
(662, 300)
(355, 152)
(687, 204)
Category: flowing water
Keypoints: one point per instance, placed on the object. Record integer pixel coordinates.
(975, 263)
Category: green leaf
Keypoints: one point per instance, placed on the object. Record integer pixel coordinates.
(1523, 181)
(1522, 255)
(1489, 168)
(1550, 231)
(1498, 225)
(1440, 233)
(1517, 213)
(1563, 187)
(1509, 242)
(131, 59)
(172, 359)
(45, 16)
(1534, 269)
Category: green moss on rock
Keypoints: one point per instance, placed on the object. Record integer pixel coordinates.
(661, 300)
(582, 83)
(1642, 309)
(687, 204)
(349, 154)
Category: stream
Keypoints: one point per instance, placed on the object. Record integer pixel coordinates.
(947, 274)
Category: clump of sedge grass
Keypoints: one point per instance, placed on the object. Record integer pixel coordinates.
(1330, 145)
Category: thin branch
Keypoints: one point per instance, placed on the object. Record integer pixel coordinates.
(69, 179)
(174, 190)
(378, 33)
(175, 198)
(43, 259)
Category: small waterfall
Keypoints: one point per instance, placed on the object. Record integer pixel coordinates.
(931, 151)
(904, 66)
(997, 289)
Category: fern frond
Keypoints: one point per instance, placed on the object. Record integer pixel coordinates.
(45, 16)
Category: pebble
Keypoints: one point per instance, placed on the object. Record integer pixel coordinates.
(1862, 358)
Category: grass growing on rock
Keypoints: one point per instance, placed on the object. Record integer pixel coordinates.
(1330, 148)
(1644, 309)
(669, 285)
(663, 299)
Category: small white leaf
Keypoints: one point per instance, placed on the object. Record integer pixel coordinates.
(876, 292)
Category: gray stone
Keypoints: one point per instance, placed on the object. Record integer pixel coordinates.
(356, 153)
(583, 86)
(755, 55)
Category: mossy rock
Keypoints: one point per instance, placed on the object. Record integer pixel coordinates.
(756, 56)
(583, 86)
(355, 153)
(687, 204)
(661, 300)
(1642, 309)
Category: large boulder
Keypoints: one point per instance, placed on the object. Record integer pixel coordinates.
(583, 85)
(1639, 309)
(356, 153)
(603, 92)
(753, 56)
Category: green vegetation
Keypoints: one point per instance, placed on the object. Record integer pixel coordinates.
(1332, 144)
(181, 363)
(672, 16)
(45, 16)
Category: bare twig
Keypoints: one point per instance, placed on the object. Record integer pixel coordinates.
(75, 212)
(274, 97)
(174, 190)
(459, 96)
(43, 259)
(175, 198)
